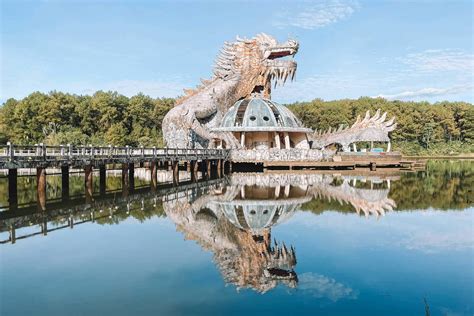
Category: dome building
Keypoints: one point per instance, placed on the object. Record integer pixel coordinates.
(262, 124)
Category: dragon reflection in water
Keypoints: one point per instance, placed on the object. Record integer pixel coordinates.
(234, 220)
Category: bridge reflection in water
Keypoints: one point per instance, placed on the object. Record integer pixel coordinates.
(232, 217)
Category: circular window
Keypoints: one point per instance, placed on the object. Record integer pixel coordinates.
(253, 212)
(266, 118)
(253, 118)
(265, 212)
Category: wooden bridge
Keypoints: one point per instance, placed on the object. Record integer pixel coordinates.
(40, 157)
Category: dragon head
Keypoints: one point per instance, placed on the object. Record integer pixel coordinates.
(256, 62)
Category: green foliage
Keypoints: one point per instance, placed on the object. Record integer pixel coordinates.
(109, 118)
(105, 118)
(439, 128)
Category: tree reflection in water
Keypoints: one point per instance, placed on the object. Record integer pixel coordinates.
(232, 217)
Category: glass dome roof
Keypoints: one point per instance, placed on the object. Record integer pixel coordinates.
(258, 114)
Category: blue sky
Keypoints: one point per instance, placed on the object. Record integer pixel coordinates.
(408, 50)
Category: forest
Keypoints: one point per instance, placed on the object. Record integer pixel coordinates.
(111, 118)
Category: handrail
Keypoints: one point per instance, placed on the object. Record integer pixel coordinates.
(13, 152)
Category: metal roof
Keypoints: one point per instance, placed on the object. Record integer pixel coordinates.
(258, 114)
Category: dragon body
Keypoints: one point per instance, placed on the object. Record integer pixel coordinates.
(370, 128)
(243, 67)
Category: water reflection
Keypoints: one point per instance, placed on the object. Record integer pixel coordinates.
(234, 220)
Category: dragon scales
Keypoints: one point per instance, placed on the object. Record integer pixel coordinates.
(243, 67)
(370, 128)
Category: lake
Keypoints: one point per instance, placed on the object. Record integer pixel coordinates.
(303, 242)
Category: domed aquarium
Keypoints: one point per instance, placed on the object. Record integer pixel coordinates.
(263, 124)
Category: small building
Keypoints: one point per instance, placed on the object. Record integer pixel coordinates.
(263, 124)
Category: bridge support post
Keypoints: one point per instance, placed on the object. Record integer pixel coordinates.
(44, 227)
(41, 188)
(88, 184)
(12, 188)
(208, 168)
(64, 182)
(131, 176)
(194, 170)
(102, 179)
(175, 167)
(219, 167)
(373, 166)
(125, 179)
(153, 180)
(12, 234)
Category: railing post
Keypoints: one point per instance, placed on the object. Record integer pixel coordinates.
(92, 151)
(70, 151)
(43, 151)
(11, 151)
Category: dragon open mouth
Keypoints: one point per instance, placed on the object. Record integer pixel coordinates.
(280, 64)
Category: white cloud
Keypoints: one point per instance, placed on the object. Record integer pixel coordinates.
(426, 92)
(434, 60)
(317, 14)
(433, 242)
(321, 286)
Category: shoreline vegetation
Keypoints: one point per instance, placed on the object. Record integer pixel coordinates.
(442, 129)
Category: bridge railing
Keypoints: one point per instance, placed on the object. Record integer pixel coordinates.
(41, 152)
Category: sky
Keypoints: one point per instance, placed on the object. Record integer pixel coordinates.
(407, 50)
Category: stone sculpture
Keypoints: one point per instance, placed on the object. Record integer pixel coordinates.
(242, 68)
(369, 128)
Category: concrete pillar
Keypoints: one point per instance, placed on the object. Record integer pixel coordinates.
(12, 188)
(219, 168)
(242, 139)
(64, 182)
(131, 176)
(12, 234)
(194, 170)
(125, 179)
(277, 140)
(277, 192)
(373, 166)
(153, 180)
(102, 179)
(88, 183)
(41, 188)
(44, 227)
(175, 167)
(354, 147)
(208, 168)
(389, 146)
(287, 141)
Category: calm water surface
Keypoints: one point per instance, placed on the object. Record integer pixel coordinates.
(274, 243)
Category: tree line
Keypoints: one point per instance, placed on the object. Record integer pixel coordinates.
(111, 118)
(101, 119)
(442, 127)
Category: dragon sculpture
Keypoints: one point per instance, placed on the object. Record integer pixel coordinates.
(243, 67)
(374, 128)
